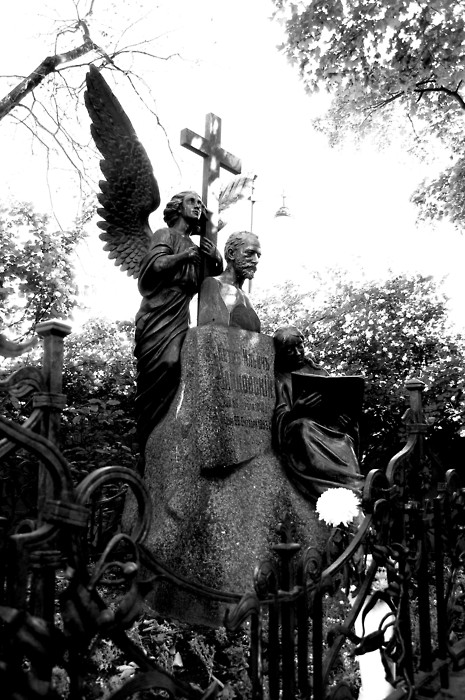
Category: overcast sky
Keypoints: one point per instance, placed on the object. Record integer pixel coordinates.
(348, 207)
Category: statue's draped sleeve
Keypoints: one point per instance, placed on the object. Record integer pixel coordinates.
(152, 280)
(315, 456)
(161, 326)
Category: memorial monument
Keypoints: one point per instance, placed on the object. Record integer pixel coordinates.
(205, 395)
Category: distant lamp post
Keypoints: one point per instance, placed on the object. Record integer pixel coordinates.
(283, 210)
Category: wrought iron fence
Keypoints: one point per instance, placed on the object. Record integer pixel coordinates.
(413, 528)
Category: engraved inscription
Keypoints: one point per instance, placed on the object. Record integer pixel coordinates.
(242, 422)
(247, 384)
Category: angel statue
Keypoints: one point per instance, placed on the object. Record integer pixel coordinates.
(167, 264)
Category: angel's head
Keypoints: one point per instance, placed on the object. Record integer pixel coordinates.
(188, 205)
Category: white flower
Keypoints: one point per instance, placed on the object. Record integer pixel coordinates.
(338, 506)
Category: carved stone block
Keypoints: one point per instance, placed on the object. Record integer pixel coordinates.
(218, 490)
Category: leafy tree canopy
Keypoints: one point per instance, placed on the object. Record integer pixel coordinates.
(98, 425)
(387, 332)
(36, 274)
(389, 63)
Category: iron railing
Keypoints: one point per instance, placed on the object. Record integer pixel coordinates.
(412, 527)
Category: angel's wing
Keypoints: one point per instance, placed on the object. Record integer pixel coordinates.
(129, 194)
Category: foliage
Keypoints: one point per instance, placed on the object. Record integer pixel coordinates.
(36, 276)
(193, 654)
(397, 62)
(36, 284)
(97, 426)
(387, 332)
(99, 382)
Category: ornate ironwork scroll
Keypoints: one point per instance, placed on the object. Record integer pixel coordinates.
(413, 529)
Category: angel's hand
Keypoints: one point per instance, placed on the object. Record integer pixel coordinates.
(192, 255)
(209, 248)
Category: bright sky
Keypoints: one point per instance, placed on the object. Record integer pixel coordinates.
(348, 207)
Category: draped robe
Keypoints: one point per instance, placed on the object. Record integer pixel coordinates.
(315, 456)
(161, 325)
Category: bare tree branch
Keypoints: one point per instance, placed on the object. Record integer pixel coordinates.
(384, 103)
(51, 95)
(49, 65)
(121, 52)
(54, 137)
(446, 91)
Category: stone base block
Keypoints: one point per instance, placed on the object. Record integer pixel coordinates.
(218, 490)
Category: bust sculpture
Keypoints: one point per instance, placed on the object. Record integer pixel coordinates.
(222, 298)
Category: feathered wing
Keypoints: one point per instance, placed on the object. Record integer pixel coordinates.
(129, 193)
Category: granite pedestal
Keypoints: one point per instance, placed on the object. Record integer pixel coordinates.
(218, 489)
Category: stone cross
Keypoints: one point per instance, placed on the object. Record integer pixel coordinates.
(209, 147)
